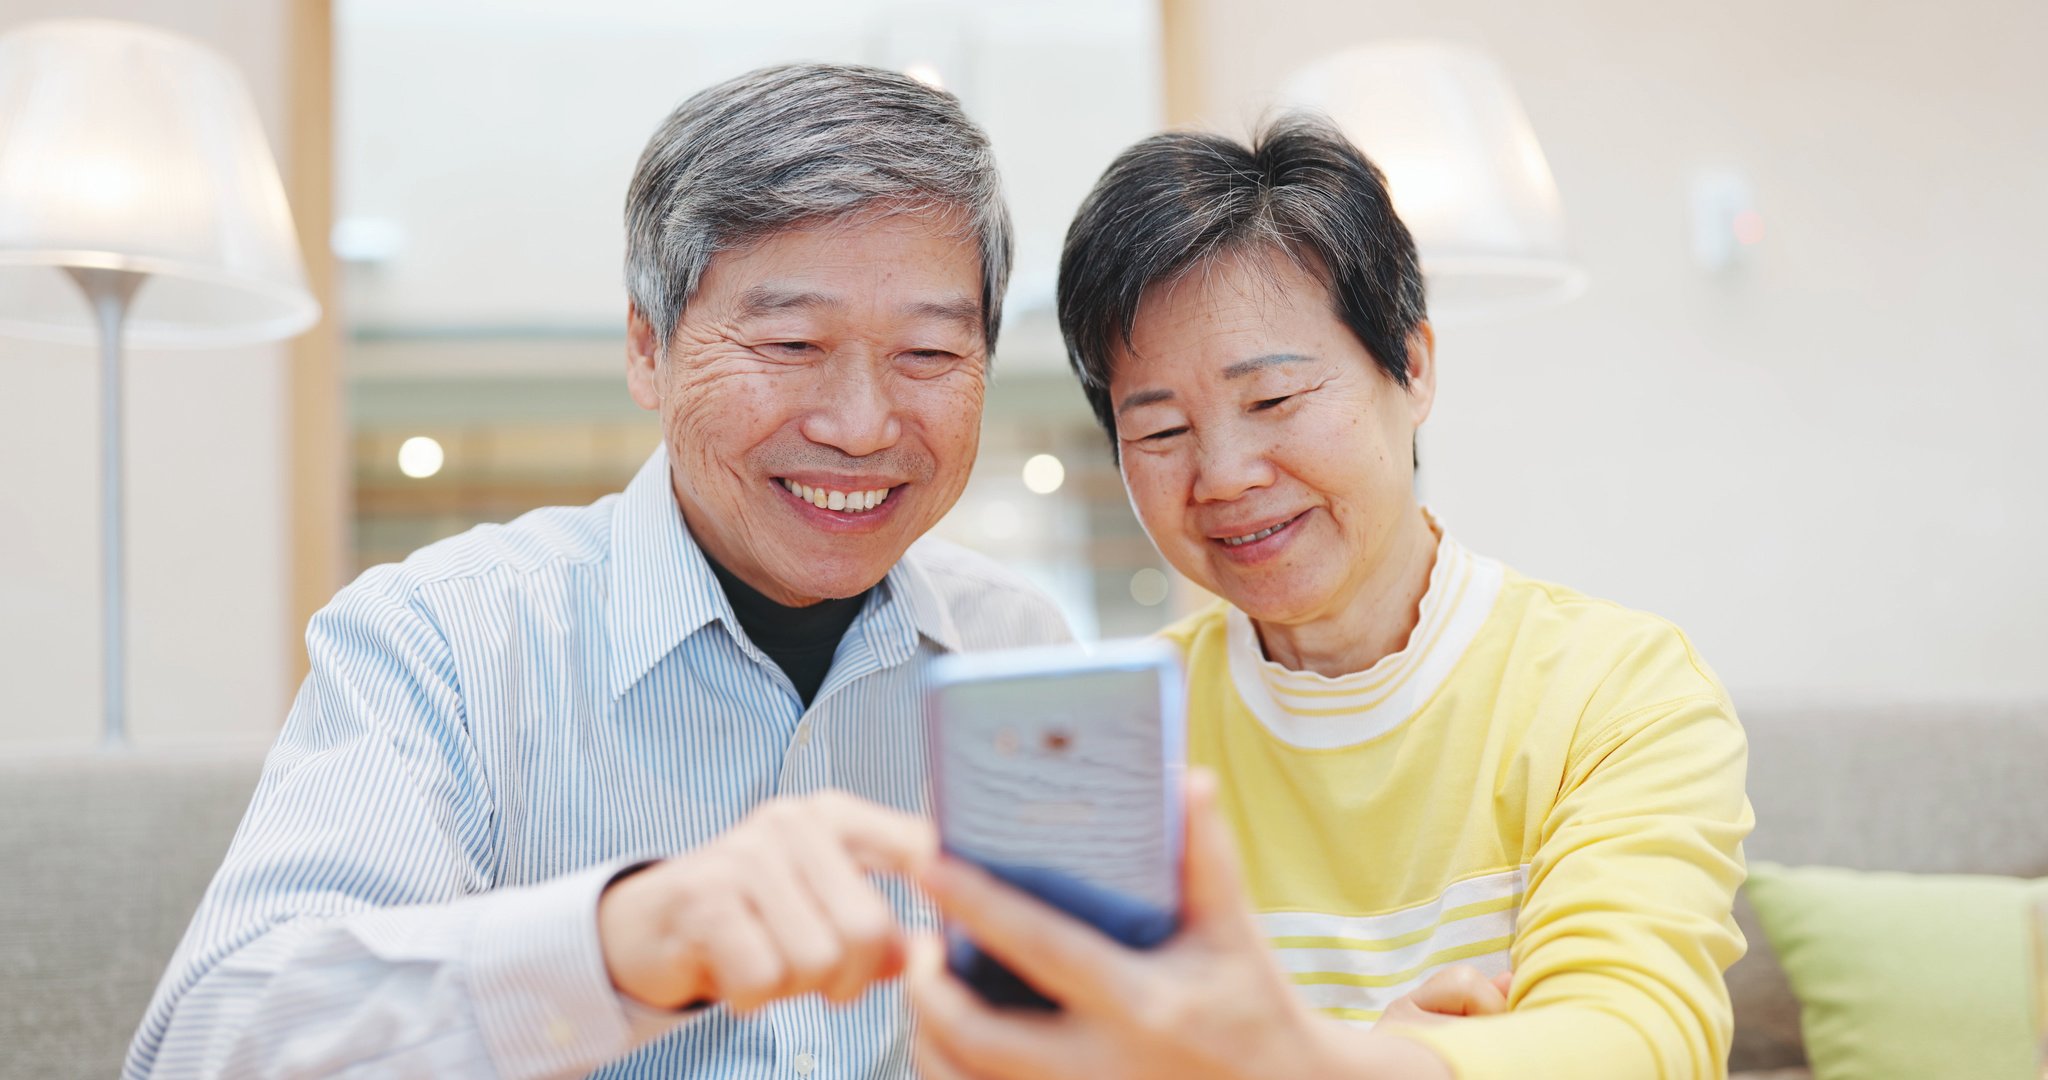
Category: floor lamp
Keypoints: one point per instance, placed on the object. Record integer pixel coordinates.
(1464, 168)
(133, 164)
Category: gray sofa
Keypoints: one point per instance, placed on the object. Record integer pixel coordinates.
(1925, 789)
(105, 857)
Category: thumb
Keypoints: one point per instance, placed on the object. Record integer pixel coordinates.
(1212, 886)
(1503, 981)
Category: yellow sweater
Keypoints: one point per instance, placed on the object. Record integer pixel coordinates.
(1538, 780)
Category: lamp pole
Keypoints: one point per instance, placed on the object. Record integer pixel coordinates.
(131, 147)
(110, 292)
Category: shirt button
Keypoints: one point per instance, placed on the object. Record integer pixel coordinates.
(804, 1063)
(560, 1031)
(803, 735)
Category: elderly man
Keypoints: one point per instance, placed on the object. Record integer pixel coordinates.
(462, 859)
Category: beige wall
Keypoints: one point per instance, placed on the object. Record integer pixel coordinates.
(206, 477)
(1829, 468)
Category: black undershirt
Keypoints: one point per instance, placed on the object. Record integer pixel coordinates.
(801, 640)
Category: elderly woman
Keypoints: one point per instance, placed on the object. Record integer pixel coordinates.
(1434, 772)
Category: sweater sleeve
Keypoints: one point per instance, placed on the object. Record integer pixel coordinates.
(1627, 927)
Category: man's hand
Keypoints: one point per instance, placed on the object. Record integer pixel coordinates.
(777, 907)
(1453, 992)
(1209, 1005)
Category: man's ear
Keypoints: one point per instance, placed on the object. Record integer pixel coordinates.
(1421, 372)
(643, 359)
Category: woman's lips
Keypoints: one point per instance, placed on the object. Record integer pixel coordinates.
(1259, 543)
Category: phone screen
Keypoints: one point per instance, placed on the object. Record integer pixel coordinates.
(1065, 783)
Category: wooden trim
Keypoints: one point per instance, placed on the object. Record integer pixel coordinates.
(1180, 61)
(317, 478)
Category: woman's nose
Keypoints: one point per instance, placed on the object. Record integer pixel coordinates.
(1230, 464)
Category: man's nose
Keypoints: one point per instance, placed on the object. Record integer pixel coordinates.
(854, 412)
(1230, 463)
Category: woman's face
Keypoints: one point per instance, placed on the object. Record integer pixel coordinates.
(1267, 454)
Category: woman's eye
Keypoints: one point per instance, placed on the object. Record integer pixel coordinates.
(929, 354)
(1161, 436)
(791, 346)
(1261, 406)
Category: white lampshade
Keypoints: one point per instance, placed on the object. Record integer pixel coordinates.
(128, 148)
(1463, 166)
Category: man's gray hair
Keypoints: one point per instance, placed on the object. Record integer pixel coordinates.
(796, 145)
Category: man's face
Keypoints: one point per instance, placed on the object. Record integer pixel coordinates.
(821, 398)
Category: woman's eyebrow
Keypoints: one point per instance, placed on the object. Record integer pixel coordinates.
(1260, 363)
(1144, 397)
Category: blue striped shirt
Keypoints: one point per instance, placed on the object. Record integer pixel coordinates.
(491, 730)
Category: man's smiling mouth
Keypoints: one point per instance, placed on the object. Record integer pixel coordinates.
(846, 502)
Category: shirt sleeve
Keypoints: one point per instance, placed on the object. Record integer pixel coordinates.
(1626, 931)
(353, 928)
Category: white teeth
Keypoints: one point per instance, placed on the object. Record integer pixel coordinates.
(847, 502)
(1239, 541)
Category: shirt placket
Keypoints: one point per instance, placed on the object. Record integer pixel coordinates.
(807, 762)
(811, 1041)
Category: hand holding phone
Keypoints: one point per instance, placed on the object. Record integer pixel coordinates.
(1211, 1003)
(1057, 769)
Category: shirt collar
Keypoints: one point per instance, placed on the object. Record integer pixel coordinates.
(662, 589)
(910, 583)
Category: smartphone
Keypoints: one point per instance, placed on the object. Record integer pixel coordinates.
(1057, 769)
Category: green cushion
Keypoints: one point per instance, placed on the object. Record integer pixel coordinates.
(1905, 975)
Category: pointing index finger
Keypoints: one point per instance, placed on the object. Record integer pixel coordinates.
(877, 837)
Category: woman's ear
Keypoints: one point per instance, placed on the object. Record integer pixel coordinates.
(1421, 372)
(643, 360)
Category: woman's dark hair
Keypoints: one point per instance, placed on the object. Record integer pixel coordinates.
(1174, 201)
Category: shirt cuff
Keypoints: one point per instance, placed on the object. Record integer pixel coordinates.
(545, 1002)
(1538, 1044)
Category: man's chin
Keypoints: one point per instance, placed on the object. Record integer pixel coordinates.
(829, 579)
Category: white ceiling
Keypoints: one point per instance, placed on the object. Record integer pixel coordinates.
(491, 140)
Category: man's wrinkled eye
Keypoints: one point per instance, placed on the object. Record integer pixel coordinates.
(1270, 402)
(1160, 436)
(792, 346)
